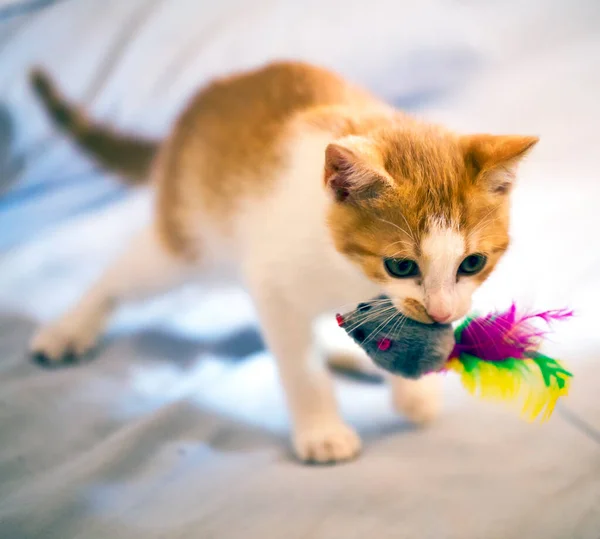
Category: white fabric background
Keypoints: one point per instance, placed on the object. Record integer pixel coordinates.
(177, 428)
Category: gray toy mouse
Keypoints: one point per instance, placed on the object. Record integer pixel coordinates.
(398, 344)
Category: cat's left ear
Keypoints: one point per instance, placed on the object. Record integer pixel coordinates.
(493, 159)
(353, 171)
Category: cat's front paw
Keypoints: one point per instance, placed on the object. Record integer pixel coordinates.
(326, 443)
(64, 340)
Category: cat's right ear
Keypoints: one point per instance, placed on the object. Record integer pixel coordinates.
(494, 158)
(350, 174)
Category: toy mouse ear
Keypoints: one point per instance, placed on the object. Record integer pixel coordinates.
(350, 172)
(495, 158)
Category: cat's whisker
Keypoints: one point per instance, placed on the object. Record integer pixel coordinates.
(376, 330)
(397, 253)
(404, 242)
(484, 221)
(398, 227)
(492, 237)
(368, 317)
(480, 226)
(372, 313)
(399, 324)
(412, 234)
(402, 325)
(383, 324)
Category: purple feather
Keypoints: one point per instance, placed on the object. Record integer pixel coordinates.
(499, 336)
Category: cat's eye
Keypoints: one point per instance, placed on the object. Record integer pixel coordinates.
(401, 268)
(472, 264)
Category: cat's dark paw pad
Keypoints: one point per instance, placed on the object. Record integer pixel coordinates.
(44, 360)
(41, 359)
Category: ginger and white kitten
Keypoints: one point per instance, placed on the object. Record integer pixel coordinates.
(315, 195)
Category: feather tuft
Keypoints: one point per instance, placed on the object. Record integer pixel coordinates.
(500, 335)
(496, 357)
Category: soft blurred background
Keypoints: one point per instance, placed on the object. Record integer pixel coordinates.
(177, 427)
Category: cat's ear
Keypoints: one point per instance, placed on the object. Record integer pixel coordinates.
(494, 159)
(352, 172)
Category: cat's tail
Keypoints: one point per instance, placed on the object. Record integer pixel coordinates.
(129, 156)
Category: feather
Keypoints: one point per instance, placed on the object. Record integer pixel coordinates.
(497, 336)
(496, 358)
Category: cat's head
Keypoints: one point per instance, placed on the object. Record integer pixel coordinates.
(423, 212)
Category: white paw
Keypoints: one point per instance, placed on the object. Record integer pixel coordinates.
(420, 401)
(65, 339)
(327, 443)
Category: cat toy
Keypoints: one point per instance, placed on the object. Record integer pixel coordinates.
(496, 356)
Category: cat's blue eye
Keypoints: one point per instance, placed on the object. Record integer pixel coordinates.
(472, 265)
(401, 268)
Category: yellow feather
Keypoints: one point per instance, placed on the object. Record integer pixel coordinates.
(525, 389)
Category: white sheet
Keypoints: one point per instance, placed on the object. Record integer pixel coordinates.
(177, 427)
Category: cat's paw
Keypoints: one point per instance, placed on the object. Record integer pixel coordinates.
(419, 401)
(65, 340)
(327, 443)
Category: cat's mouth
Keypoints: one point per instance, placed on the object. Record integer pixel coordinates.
(413, 309)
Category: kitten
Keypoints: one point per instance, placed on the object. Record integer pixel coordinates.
(315, 195)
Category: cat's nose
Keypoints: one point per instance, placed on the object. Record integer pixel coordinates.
(439, 306)
(440, 314)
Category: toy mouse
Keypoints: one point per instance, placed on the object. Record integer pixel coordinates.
(496, 356)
